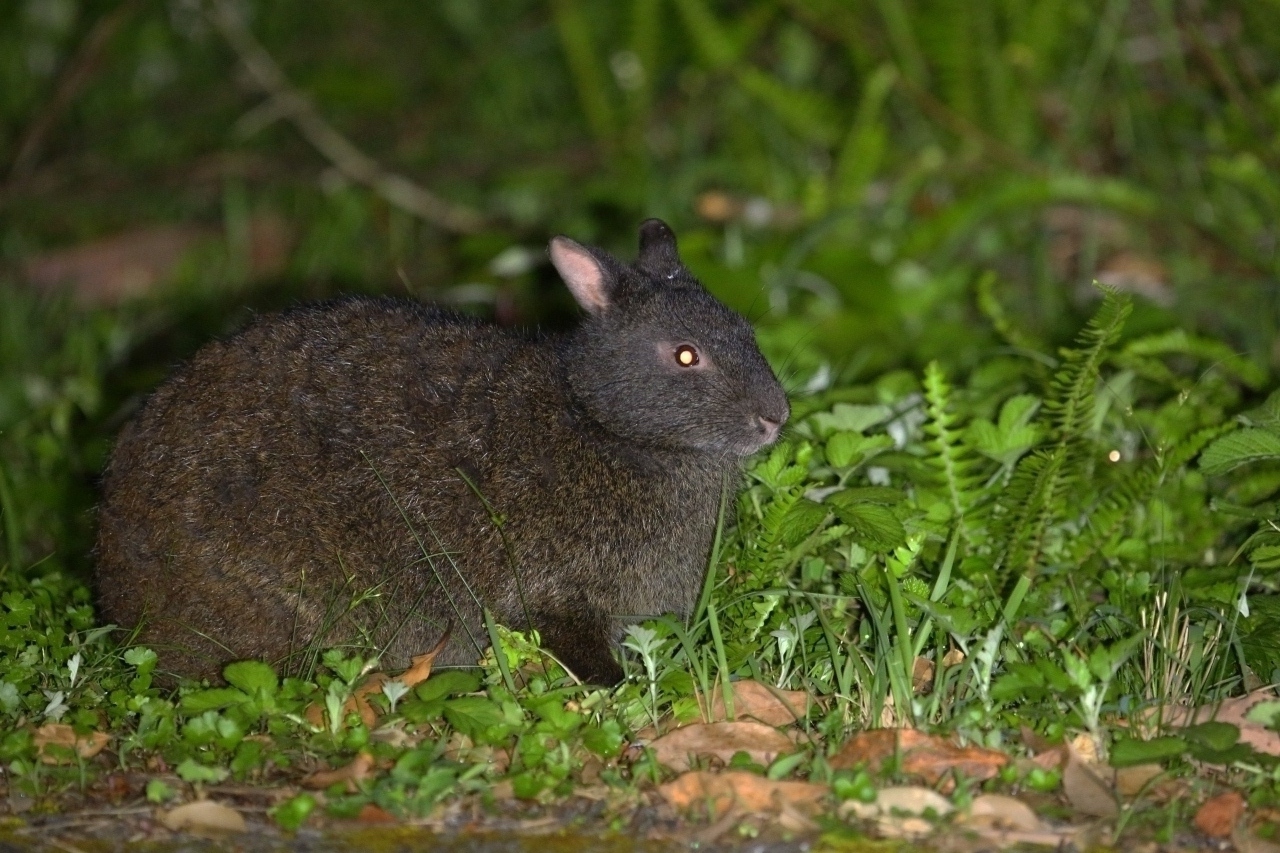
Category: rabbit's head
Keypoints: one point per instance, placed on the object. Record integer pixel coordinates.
(658, 359)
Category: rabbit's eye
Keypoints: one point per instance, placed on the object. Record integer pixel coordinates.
(686, 356)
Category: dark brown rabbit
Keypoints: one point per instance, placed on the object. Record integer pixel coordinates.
(373, 471)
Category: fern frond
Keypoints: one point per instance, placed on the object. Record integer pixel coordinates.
(766, 550)
(1181, 342)
(955, 461)
(1034, 500)
(1072, 394)
(1112, 511)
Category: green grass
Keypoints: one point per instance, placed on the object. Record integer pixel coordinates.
(1066, 492)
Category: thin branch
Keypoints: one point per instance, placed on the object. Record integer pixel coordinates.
(75, 76)
(341, 152)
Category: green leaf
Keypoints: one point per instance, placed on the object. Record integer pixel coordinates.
(884, 495)
(473, 714)
(293, 812)
(873, 526)
(449, 682)
(249, 755)
(1267, 415)
(845, 449)
(1007, 440)
(190, 771)
(1239, 448)
(553, 712)
(850, 417)
(251, 676)
(1265, 557)
(605, 740)
(1265, 713)
(1127, 752)
(800, 522)
(141, 658)
(158, 791)
(1213, 735)
(213, 699)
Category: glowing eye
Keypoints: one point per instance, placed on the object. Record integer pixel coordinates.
(686, 356)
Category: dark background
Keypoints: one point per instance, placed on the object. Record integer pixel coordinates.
(876, 183)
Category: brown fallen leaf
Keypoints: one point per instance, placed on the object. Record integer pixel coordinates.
(1218, 816)
(901, 812)
(1086, 790)
(871, 748)
(739, 789)
(757, 701)
(997, 811)
(922, 675)
(1085, 748)
(1137, 273)
(420, 665)
(358, 770)
(369, 813)
(1233, 711)
(61, 734)
(131, 263)
(927, 756)
(1053, 758)
(1131, 781)
(721, 740)
(203, 817)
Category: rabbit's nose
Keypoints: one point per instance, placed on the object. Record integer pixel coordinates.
(768, 428)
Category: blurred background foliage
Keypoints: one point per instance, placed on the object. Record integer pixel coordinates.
(876, 183)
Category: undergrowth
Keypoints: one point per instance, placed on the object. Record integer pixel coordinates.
(1057, 540)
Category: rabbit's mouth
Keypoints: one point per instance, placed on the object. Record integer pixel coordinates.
(761, 432)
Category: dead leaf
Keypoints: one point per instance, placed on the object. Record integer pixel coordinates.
(717, 206)
(358, 770)
(1053, 758)
(1033, 740)
(927, 756)
(722, 740)
(1085, 789)
(997, 811)
(134, 262)
(901, 812)
(203, 817)
(1085, 748)
(1218, 816)
(420, 668)
(955, 657)
(1234, 711)
(1137, 273)
(922, 675)
(369, 813)
(758, 701)
(61, 734)
(739, 789)
(1131, 781)
(869, 748)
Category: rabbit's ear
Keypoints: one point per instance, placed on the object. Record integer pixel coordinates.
(582, 273)
(658, 253)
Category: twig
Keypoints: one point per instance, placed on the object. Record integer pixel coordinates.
(357, 166)
(75, 75)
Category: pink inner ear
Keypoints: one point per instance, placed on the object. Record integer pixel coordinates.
(581, 272)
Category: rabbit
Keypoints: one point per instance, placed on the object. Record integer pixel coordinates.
(376, 471)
